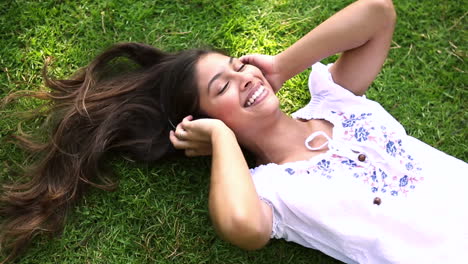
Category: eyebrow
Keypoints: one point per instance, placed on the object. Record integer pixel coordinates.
(218, 75)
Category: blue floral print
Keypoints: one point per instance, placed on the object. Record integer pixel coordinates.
(323, 164)
(391, 148)
(349, 122)
(376, 177)
(383, 174)
(349, 162)
(404, 181)
(409, 166)
(361, 134)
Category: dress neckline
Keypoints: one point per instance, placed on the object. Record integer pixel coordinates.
(313, 136)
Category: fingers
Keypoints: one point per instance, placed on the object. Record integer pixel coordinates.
(192, 136)
(177, 141)
(179, 132)
(191, 148)
(187, 118)
(261, 61)
(185, 122)
(188, 144)
(247, 59)
(181, 129)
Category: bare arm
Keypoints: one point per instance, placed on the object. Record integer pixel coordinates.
(362, 31)
(237, 213)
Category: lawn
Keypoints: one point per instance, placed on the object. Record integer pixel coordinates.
(159, 212)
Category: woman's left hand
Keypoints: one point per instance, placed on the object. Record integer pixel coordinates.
(194, 136)
(268, 65)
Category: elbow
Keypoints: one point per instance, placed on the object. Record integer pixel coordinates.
(386, 10)
(390, 12)
(249, 234)
(244, 231)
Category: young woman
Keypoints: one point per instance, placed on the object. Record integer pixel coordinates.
(341, 176)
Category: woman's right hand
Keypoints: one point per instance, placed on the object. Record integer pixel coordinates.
(195, 136)
(268, 65)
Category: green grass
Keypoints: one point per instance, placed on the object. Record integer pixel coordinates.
(159, 213)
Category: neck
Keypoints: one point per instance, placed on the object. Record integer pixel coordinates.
(278, 140)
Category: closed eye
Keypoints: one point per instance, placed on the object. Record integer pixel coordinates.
(227, 84)
(224, 88)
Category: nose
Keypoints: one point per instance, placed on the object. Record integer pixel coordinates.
(245, 80)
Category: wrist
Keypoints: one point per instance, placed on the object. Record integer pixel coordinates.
(280, 66)
(221, 131)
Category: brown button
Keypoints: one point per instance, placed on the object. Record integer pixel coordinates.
(361, 157)
(377, 201)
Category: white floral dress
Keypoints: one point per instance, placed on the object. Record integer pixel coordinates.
(376, 196)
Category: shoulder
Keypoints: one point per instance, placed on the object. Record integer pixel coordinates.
(264, 173)
(321, 83)
(269, 178)
(326, 95)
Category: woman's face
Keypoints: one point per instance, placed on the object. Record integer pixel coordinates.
(236, 93)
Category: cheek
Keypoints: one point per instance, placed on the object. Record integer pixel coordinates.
(227, 110)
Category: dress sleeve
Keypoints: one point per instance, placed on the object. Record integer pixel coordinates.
(263, 178)
(324, 93)
(321, 82)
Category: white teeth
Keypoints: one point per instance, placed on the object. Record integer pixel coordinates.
(255, 95)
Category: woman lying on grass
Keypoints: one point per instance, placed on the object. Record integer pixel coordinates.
(340, 176)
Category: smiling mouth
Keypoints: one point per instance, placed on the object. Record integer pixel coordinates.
(254, 96)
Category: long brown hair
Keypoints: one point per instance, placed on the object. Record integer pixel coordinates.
(124, 102)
